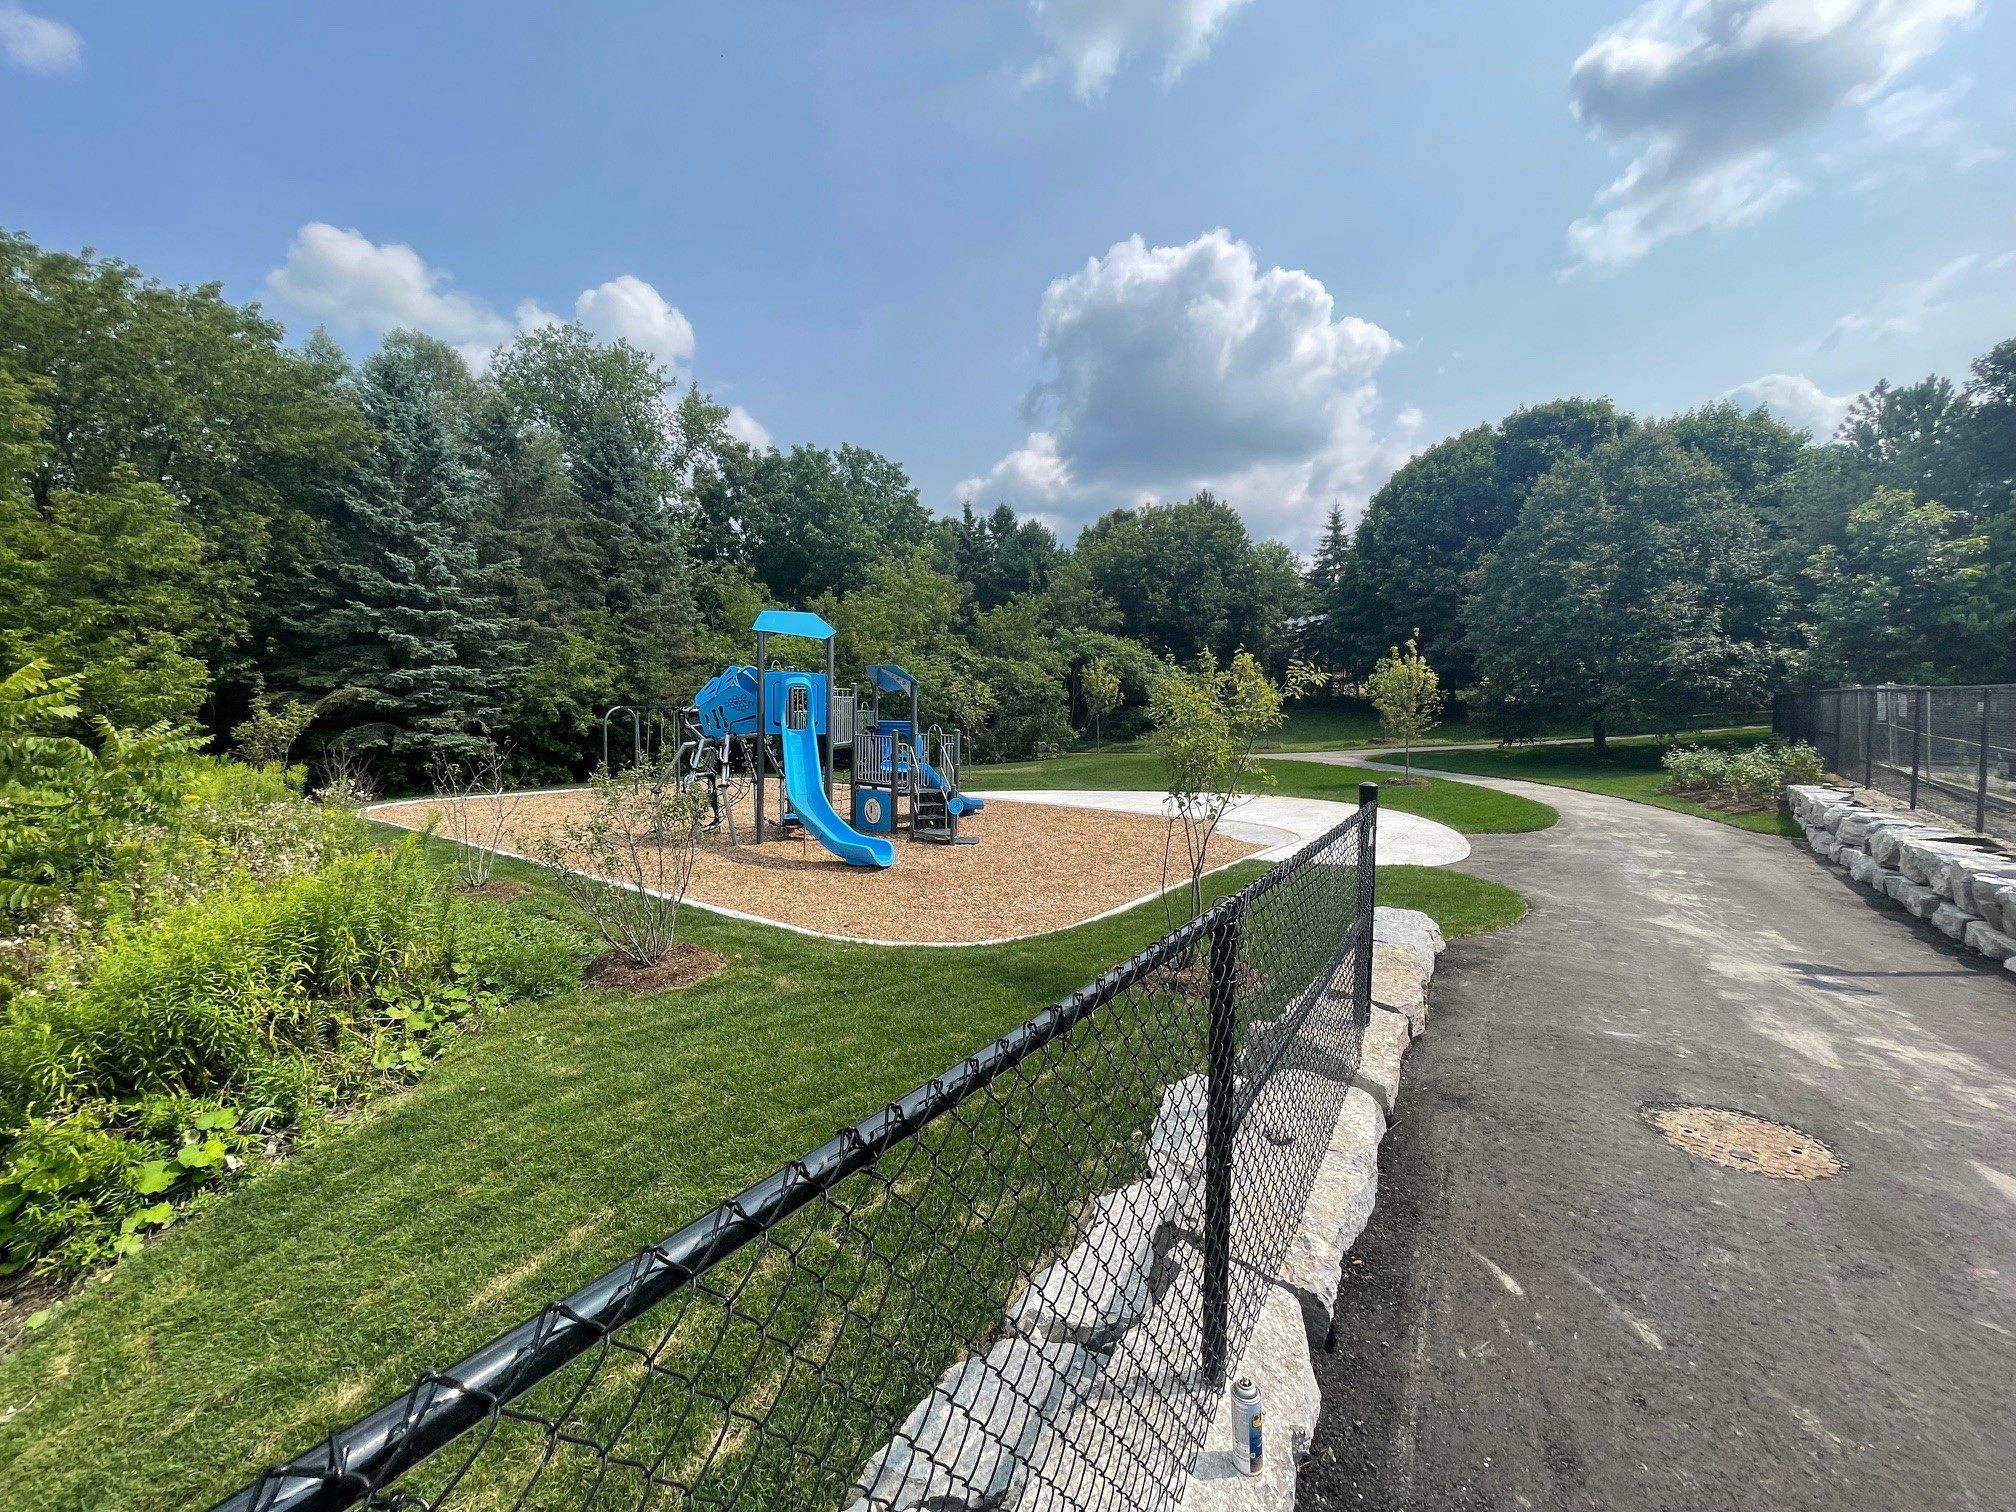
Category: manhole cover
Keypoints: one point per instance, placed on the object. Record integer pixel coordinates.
(1744, 1142)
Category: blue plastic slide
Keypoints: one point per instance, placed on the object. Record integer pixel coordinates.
(807, 793)
(960, 804)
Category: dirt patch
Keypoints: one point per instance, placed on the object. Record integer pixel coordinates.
(1744, 1142)
(686, 965)
(496, 892)
(1037, 867)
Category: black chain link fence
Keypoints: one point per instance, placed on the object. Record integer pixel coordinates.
(1950, 751)
(1019, 1286)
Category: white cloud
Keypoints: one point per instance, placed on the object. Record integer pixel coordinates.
(1904, 310)
(1796, 400)
(1178, 368)
(1929, 121)
(346, 278)
(1713, 87)
(629, 309)
(35, 42)
(1090, 39)
(747, 429)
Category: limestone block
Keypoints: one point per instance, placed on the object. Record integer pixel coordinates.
(1886, 841)
(1379, 1056)
(1920, 902)
(1340, 1205)
(1894, 884)
(1399, 984)
(960, 1447)
(1870, 872)
(1854, 828)
(1176, 1141)
(1992, 943)
(1100, 1287)
(1995, 901)
(1951, 920)
(1277, 1362)
(1846, 854)
(1409, 926)
(1924, 860)
(1969, 879)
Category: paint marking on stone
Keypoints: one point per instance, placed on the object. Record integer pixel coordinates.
(1505, 1280)
(1624, 1314)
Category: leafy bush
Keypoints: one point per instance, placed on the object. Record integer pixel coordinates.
(1753, 778)
(641, 834)
(198, 1034)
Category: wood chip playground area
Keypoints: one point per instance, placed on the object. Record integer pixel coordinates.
(1037, 867)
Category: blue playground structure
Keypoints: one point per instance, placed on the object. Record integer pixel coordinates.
(897, 779)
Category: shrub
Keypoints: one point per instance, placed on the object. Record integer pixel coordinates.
(1755, 777)
(198, 1033)
(640, 835)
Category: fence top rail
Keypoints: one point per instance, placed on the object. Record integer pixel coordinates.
(1902, 688)
(443, 1405)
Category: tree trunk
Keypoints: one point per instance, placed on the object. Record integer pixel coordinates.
(1602, 740)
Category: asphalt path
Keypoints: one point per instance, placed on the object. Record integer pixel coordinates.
(1554, 1308)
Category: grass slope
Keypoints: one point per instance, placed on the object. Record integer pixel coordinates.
(1630, 770)
(1460, 805)
(531, 1157)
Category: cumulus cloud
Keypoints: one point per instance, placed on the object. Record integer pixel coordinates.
(1090, 39)
(346, 278)
(1711, 88)
(747, 429)
(1903, 311)
(1795, 399)
(1177, 368)
(35, 42)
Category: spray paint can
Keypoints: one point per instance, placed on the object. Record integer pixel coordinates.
(1246, 1425)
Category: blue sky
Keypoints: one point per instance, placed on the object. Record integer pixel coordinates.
(1072, 253)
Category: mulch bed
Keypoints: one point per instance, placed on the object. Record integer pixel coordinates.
(687, 964)
(496, 892)
(1038, 867)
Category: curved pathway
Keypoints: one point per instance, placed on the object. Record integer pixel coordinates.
(1552, 1308)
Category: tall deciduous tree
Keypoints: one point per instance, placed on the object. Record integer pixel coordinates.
(397, 618)
(1627, 593)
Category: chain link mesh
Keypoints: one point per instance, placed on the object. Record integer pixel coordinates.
(1949, 751)
(997, 1292)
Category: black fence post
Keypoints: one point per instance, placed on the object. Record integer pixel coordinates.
(1368, 884)
(1981, 767)
(1868, 737)
(1219, 1133)
(1920, 702)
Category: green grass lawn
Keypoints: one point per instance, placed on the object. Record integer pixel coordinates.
(531, 1157)
(1462, 806)
(1630, 770)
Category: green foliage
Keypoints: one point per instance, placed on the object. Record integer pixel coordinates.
(1208, 719)
(268, 733)
(1633, 588)
(1186, 578)
(1407, 694)
(66, 805)
(200, 1032)
(1904, 598)
(1755, 777)
(1099, 687)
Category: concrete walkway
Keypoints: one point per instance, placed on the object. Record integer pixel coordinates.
(1552, 1308)
(1283, 825)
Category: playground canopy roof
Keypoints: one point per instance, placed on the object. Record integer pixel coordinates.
(890, 678)
(793, 622)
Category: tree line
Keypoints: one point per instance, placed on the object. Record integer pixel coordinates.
(292, 551)
(1576, 566)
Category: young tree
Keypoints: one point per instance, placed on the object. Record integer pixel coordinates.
(1208, 719)
(1408, 695)
(626, 864)
(1099, 686)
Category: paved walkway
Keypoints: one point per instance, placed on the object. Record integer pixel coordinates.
(1283, 825)
(1554, 1309)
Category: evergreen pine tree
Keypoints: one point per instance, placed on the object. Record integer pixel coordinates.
(397, 618)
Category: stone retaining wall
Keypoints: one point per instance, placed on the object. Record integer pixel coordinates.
(1080, 1396)
(1964, 884)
